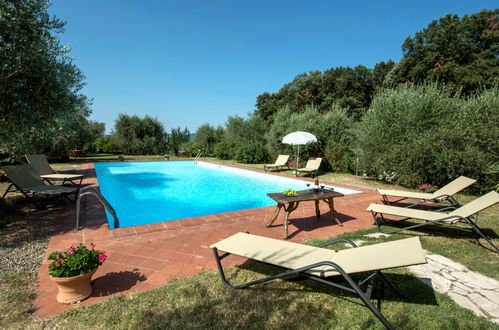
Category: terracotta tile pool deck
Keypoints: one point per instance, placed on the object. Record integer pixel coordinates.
(147, 256)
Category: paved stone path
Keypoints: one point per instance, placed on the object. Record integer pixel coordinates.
(467, 288)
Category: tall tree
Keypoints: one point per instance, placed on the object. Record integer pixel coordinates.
(40, 97)
(207, 137)
(142, 136)
(461, 52)
(350, 88)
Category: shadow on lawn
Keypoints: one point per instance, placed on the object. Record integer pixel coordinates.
(281, 304)
(312, 222)
(449, 231)
(407, 283)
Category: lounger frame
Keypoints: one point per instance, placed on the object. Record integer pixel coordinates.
(452, 201)
(31, 194)
(46, 171)
(352, 287)
(471, 221)
(277, 167)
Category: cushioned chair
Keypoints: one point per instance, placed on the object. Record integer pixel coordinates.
(25, 180)
(443, 194)
(280, 162)
(466, 214)
(312, 167)
(324, 265)
(41, 165)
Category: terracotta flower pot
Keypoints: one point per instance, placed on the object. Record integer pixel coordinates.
(73, 289)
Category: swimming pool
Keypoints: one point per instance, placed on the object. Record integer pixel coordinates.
(148, 192)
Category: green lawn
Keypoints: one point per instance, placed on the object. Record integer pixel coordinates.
(201, 301)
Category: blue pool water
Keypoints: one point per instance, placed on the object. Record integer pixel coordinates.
(148, 192)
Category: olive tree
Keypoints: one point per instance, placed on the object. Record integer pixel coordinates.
(40, 98)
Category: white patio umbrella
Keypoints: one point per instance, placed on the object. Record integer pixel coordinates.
(297, 139)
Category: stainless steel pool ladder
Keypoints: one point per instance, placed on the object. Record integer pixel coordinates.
(199, 154)
(89, 190)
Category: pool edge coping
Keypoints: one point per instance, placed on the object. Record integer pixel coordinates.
(187, 222)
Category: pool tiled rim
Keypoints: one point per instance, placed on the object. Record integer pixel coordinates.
(146, 256)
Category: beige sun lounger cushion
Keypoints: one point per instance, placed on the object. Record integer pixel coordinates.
(312, 165)
(291, 255)
(282, 160)
(41, 165)
(61, 176)
(26, 179)
(477, 205)
(464, 211)
(449, 189)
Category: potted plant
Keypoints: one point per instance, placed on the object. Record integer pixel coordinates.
(72, 270)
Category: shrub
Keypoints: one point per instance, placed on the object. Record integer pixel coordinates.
(194, 149)
(417, 134)
(224, 150)
(333, 131)
(106, 144)
(251, 152)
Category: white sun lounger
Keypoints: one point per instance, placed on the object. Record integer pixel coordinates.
(443, 194)
(320, 264)
(466, 214)
(281, 161)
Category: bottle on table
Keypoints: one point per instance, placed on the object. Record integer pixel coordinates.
(316, 185)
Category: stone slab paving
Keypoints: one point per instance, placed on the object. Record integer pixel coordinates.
(468, 289)
(143, 257)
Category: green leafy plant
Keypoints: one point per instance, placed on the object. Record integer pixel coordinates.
(194, 149)
(251, 152)
(75, 261)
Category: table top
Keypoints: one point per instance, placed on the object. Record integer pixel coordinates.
(305, 195)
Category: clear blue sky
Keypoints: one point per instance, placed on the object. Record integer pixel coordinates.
(194, 62)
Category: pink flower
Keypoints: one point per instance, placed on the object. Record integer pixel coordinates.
(57, 263)
(102, 257)
(71, 251)
(423, 186)
(92, 245)
(436, 187)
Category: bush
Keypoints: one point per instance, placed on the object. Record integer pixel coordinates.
(194, 149)
(420, 134)
(251, 152)
(106, 144)
(333, 131)
(223, 150)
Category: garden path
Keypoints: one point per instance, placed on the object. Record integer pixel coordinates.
(468, 289)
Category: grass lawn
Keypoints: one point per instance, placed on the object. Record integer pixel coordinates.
(201, 301)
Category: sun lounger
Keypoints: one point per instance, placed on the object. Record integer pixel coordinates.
(312, 167)
(466, 214)
(281, 161)
(24, 179)
(40, 164)
(324, 265)
(443, 194)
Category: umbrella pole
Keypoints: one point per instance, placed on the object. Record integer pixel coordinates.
(298, 158)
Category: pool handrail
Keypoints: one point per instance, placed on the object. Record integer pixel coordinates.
(92, 191)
